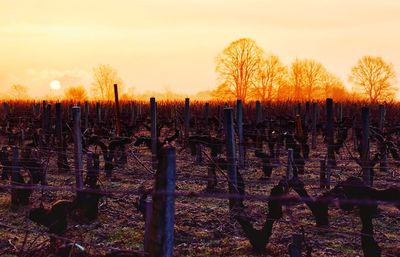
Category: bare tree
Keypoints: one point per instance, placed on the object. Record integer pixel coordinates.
(271, 76)
(238, 65)
(284, 91)
(374, 77)
(77, 93)
(19, 91)
(334, 88)
(223, 91)
(296, 79)
(104, 78)
(307, 77)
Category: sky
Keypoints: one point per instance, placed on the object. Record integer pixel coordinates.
(158, 45)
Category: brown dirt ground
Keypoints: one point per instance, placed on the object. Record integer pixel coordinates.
(202, 225)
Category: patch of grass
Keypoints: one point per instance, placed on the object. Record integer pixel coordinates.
(129, 236)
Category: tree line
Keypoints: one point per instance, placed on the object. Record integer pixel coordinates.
(246, 72)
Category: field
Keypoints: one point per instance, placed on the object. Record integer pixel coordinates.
(263, 170)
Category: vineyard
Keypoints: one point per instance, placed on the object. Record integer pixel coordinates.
(182, 178)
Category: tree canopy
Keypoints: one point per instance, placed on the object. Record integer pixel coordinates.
(375, 78)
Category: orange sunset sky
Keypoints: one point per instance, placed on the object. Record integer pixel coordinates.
(156, 45)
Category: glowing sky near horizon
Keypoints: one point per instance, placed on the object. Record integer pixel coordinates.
(156, 45)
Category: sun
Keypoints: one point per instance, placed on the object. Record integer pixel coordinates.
(55, 85)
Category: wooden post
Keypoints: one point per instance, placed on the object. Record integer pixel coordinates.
(258, 112)
(187, 117)
(382, 116)
(207, 111)
(117, 112)
(341, 112)
(176, 119)
(230, 153)
(365, 146)
(234, 108)
(161, 241)
(383, 166)
(133, 115)
(33, 110)
(6, 109)
(289, 170)
(330, 140)
(44, 109)
(106, 109)
(140, 109)
(37, 109)
(264, 112)
(48, 124)
(335, 111)
(98, 113)
(259, 142)
(76, 112)
(322, 173)
(307, 116)
(58, 122)
(59, 138)
(207, 114)
(48, 118)
(239, 122)
(86, 120)
(314, 126)
(153, 117)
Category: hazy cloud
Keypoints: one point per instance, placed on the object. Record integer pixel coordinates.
(38, 80)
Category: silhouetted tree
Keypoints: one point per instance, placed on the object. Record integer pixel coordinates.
(104, 78)
(77, 93)
(307, 78)
(18, 91)
(374, 77)
(333, 88)
(271, 76)
(237, 66)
